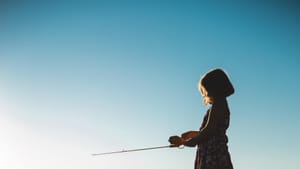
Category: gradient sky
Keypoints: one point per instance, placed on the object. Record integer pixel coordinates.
(82, 78)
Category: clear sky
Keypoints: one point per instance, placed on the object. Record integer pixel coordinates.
(82, 78)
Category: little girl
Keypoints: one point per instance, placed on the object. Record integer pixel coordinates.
(211, 139)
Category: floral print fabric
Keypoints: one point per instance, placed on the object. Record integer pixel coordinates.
(213, 152)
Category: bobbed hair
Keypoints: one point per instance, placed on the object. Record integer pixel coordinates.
(217, 83)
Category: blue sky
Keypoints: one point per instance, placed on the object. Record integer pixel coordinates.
(82, 78)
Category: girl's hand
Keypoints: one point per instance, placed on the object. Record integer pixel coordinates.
(176, 141)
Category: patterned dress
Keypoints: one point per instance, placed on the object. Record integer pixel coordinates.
(212, 153)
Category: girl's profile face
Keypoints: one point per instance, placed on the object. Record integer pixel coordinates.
(203, 91)
(206, 99)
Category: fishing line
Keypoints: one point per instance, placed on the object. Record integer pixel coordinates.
(139, 149)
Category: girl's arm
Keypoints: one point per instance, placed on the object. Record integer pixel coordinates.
(210, 127)
(189, 134)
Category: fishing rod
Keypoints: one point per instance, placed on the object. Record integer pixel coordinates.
(132, 150)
